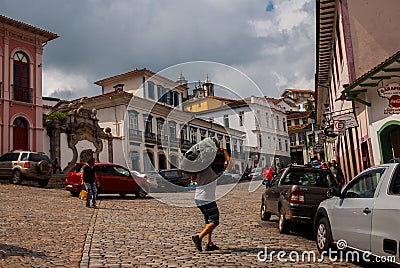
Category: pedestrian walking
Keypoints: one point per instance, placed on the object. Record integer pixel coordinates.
(337, 173)
(89, 180)
(205, 198)
(56, 166)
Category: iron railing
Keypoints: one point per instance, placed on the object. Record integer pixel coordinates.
(135, 135)
(150, 137)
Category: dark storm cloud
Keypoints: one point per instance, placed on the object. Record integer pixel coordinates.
(101, 38)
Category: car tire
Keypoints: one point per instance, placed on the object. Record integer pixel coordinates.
(140, 193)
(264, 215)
(73, 193)
(283, 224)
(323, 235)
(43, 183)
(16, 177)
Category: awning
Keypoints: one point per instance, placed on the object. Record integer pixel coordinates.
(388, 69)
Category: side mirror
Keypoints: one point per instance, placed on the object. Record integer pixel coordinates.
(267, 183)
(334, 191)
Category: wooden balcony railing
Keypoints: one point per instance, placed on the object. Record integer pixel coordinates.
(23, 94)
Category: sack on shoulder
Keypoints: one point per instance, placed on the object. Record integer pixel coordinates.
(199, 157)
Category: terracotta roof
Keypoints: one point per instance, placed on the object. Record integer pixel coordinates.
(274, 100)
(29, 28)
(297, 127)
(118, 77)
(300, 90)
(298, 114)
(115, 92)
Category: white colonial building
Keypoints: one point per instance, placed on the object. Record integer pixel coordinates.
(142, 116)
(263, 122)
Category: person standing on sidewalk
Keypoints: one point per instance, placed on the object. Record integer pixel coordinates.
(205, 199)
(88, 179)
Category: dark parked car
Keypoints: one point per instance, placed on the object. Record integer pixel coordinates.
(111, 179)
(26, 165)
(294, 195)
(168, 179)
(256, 174)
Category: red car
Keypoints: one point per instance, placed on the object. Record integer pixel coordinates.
(111, 179)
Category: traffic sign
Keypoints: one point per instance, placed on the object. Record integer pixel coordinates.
(339, 125)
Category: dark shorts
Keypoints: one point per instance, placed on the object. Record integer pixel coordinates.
(210, 212)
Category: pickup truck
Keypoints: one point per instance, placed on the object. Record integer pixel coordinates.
(364, 216)
(294, 195)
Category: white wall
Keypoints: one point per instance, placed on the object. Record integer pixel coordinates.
(46, 144)
(66, 153)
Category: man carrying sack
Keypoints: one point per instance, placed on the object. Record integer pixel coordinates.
(207, 160)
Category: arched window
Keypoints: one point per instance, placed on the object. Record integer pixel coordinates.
(22, 92)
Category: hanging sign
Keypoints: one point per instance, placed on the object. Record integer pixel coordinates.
(344, 121)
(391, 92)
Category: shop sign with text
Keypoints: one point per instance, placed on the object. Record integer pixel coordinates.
(391, 92)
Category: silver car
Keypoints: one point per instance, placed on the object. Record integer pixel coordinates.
(20, 165)
(365, 215)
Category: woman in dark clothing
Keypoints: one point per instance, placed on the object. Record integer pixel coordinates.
(88, 179)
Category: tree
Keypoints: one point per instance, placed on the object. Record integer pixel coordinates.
(309, 105)
(48, 120)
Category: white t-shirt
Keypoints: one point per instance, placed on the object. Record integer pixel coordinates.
(206, 185)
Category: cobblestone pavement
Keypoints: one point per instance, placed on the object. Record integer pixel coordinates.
(50, 228)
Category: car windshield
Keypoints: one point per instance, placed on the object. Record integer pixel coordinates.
(314, 178)
(172, 174)
(256, 170)
(77, 168)
(9, 157)
(38, 158)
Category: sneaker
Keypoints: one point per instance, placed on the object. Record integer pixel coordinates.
(87, 205)
(197, 241)
(95, 206)
(212, 247)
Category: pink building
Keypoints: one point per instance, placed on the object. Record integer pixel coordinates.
(21, 49)
(357, 81)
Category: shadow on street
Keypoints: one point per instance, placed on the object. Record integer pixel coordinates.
(10, 250)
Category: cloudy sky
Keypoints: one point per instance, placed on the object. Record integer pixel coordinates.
(272, 41)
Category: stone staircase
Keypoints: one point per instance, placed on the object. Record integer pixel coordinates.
(57, 181)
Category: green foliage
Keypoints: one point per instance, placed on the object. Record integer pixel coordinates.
(48, 120)
(309, 105)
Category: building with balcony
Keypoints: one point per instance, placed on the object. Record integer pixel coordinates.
(21, 106)
(264, 125)
(306, 139)
(143, 113)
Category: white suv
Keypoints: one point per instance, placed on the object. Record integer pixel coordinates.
(20, 165)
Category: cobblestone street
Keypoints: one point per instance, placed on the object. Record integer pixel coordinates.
(50, 228)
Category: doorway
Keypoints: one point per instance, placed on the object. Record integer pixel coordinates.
(162, 163)
(389, 138)
(20, 134)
